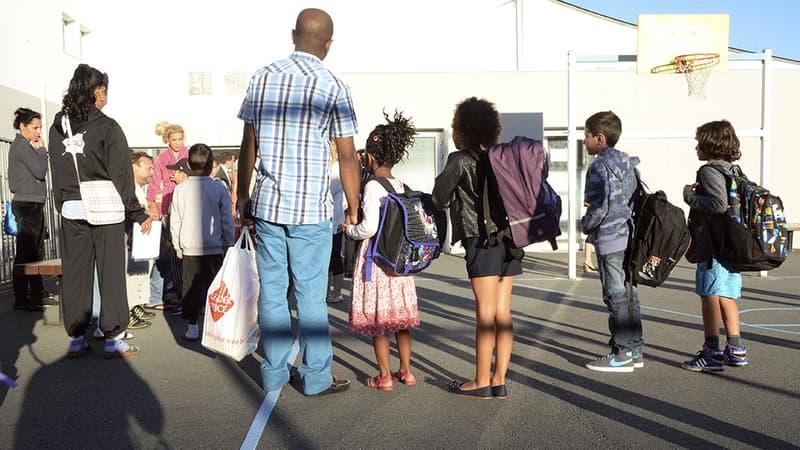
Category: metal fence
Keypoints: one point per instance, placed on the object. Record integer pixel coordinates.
(52, 218)
(52, 221)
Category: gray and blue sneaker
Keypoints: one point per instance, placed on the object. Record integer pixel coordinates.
(621, 362)
(735, 356)
(706, 360)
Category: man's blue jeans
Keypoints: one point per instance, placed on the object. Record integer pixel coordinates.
(159, 267)
(622, 300)
(302, 252)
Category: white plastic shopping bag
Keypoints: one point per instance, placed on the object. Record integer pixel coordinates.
(230, 326)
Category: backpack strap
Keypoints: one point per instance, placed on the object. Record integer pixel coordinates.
(727, 174)
(386, 184)
(373, 242)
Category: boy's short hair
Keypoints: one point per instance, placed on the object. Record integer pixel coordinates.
(606, 123)
(477, 122)
(718, 140)
(201, 159)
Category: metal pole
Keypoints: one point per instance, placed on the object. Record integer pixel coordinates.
(766, 121)
(572, 167)
(519, 29)
(766, 117)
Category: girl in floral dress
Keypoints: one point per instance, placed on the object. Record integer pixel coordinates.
(387, 303)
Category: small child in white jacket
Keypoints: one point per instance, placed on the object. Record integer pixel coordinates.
(201, 224)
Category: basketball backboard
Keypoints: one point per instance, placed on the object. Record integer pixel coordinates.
(662, 37)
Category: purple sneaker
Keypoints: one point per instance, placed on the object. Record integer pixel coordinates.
(706, 360)
(735, 356)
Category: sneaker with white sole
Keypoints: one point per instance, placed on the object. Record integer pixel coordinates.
(192, 332)
(735, 356)
(638, 361)
(78, 347)
(117, 348)
(621, 363)
(706, 360)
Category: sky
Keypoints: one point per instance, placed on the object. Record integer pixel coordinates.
(754, 24)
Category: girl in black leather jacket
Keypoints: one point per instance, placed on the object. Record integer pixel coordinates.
(467, 187)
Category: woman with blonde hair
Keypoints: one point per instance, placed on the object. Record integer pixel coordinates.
(159, 195)
(159, 190)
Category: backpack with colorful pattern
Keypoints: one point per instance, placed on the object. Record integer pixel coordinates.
(752, 234)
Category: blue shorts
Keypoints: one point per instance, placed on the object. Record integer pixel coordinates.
(717, 281)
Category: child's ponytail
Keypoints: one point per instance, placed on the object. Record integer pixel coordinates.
(389, 143)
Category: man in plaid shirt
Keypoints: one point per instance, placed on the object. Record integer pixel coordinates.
(292, 110)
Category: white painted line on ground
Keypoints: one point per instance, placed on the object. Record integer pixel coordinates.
(761, 326)
(771, 326)
(262, 416)
(744, 311)
(742, 323)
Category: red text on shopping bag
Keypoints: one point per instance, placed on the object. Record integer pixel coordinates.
(220, 301)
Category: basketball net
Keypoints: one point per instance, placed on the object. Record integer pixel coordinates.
(696, 76)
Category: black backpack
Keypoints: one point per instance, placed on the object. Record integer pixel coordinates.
(752, 235)
(659, 239)
(410, 234)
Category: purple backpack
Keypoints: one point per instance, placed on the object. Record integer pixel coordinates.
(532, 206)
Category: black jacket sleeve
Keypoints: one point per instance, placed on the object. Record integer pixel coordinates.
(447, 182)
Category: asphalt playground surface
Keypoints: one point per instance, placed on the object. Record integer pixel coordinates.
(179, 395)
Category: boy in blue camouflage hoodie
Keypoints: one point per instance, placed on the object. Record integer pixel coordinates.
(610, 183)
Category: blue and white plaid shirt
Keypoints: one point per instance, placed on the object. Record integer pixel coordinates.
(296, 107)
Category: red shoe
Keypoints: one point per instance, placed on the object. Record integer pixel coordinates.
(377, 383)
(406, 377)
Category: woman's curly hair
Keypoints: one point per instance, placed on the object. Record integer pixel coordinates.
(389, 143)
(477, 123)
(80, 99)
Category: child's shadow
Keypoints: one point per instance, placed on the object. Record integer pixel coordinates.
(177, 326)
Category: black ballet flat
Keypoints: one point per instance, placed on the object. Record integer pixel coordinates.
(499, 391)
(483, 393)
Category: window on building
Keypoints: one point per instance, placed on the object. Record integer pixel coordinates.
(199, 83)
(236, 83)
(71, 34)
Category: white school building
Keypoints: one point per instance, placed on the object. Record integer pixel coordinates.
(190, 62)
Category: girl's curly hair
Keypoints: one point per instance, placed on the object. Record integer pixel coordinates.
(477, 123)
(389, 143)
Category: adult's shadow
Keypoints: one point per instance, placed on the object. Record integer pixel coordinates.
(89, 403)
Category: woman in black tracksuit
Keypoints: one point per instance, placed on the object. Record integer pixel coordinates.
(105, 156)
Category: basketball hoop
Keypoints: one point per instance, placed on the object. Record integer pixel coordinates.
(695, 66)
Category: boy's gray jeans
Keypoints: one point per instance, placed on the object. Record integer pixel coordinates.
(622, 300)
